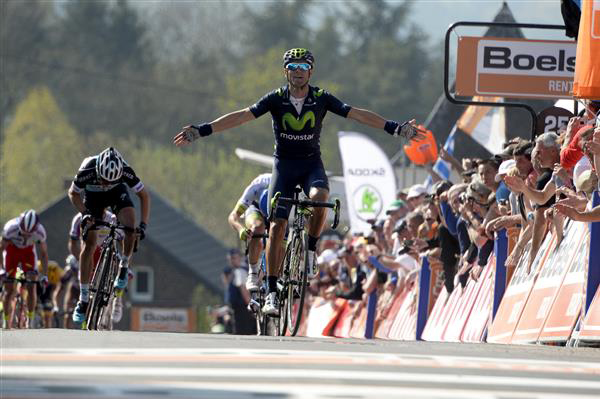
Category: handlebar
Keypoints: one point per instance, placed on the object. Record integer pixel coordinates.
(336, 206)
(264, 235)
(113, 226)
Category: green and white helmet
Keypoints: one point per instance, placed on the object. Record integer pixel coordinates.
(298, 54)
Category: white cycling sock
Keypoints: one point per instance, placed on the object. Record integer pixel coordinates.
(254, 268)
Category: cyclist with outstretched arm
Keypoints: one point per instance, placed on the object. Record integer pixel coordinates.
(102, 182)
(297, 110)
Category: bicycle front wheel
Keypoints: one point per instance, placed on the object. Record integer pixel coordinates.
(97, 290)
(296, 288)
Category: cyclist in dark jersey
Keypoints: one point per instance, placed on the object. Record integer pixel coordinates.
(297, 110)
(100, 183)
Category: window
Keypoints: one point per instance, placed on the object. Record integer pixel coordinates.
(143, 284)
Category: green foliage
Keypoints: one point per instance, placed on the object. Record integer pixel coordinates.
(40, 151)
(131, 78)
(204, 182)
(203, 299)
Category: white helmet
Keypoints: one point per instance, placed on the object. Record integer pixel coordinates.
(109, 165)
(29, 221)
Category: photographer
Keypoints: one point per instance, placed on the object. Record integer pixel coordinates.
(354, 270)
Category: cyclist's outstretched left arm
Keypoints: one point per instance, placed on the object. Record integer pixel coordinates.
(367, 117)
(145, 204)
(407, 129)
(227, 121)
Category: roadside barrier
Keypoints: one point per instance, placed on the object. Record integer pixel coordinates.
(550, 277)
(544, 305)
(590, 329)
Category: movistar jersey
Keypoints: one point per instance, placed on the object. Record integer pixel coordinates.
(297, 136)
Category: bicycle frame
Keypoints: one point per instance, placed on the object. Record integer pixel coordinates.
(105, 272)
(295, 262)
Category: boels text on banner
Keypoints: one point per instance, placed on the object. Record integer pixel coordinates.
(515, 67)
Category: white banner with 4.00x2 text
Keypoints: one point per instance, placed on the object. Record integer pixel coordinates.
(368, 177)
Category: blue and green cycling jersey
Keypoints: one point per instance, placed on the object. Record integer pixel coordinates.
(297, 136)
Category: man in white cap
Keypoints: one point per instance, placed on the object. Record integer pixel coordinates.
(416, 195)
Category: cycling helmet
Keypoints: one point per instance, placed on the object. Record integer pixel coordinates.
(109, 165)
(298, 54)
(29, 221)
(263, 203)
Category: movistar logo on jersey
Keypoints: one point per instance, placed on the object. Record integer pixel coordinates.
(289, 121)
(301, 137)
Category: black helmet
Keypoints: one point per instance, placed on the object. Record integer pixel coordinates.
(298, 54)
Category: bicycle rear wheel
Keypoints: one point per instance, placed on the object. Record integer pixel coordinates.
(297, 282)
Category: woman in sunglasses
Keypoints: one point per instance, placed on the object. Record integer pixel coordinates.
(297, 110)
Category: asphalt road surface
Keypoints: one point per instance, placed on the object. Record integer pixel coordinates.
(69, 364)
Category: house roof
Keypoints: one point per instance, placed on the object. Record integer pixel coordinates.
(177, 236)
(186, 241)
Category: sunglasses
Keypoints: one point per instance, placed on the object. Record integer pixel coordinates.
(295, 66)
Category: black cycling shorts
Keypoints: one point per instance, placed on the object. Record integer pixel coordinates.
(116, 198)
(288, 173)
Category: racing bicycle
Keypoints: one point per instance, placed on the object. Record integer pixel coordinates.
(293, 279)
(102, 291)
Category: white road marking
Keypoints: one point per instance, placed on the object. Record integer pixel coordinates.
(309, 374)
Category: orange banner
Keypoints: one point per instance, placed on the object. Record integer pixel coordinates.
(587, 67)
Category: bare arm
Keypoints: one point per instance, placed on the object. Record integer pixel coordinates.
(592, 215)
(76, 200)
(74, 247)
(3, 244)
(454, 163)
(232, 119)
(539, 197)
(228, 121)
(145, 201)
(235, 220)
(367, 117)
(435, 177)
(44, 257)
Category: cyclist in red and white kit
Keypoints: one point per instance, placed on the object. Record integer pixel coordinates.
(19, 239)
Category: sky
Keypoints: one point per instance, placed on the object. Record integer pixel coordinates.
(434, 16)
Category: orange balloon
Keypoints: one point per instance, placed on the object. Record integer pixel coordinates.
(424, 151)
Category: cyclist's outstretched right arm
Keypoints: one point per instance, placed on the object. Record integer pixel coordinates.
(228, 121)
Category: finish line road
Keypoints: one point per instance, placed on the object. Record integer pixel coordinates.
(69, 364)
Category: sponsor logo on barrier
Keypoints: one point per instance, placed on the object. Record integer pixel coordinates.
(162, 319)
(367, 202)
(515, 67)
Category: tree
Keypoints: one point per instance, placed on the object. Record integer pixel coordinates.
(40, 151)
(24, 35)
(277, 24)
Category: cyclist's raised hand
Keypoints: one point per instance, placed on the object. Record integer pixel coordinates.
(409, 130)
(191, 133)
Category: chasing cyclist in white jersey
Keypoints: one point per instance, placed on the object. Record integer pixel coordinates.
(248, 208)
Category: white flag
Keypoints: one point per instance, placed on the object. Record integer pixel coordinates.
(368, 177)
